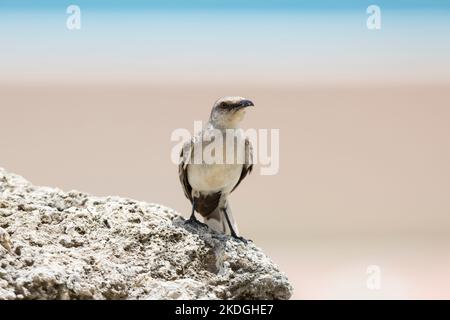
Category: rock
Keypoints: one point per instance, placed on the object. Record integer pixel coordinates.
(5, 239)
(70, 245)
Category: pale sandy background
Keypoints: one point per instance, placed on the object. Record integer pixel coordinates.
(364, 172)
(363, 116)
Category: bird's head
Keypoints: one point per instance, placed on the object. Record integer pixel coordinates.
(228, 112)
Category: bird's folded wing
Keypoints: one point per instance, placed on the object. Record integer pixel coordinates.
(185, 158)
(248, 165)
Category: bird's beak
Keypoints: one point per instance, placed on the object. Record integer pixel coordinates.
(245, 103)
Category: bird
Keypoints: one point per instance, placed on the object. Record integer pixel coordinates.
(208, 184)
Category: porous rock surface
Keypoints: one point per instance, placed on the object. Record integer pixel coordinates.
(70, 245)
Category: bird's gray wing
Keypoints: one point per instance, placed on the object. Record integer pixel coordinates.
(248, 165)
(185, 158)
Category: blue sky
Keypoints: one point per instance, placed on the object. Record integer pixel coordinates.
(327, 42)
(229, 4)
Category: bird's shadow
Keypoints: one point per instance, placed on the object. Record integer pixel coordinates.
(201, 230)
(216, 242)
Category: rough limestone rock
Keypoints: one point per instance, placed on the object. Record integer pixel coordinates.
(70, 245)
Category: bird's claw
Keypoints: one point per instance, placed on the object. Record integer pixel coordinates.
(195, 221)
(246, 241)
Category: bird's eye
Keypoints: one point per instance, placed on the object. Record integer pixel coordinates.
(223, 105)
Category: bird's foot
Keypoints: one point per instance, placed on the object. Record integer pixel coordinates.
(246, 241)
(195, 221)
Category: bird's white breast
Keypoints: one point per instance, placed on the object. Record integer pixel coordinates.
(213, 178)
(219, 176)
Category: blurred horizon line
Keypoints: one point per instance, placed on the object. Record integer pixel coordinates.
(331, 83)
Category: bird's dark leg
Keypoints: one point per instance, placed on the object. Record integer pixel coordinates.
(233, 233)
(193, 219)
